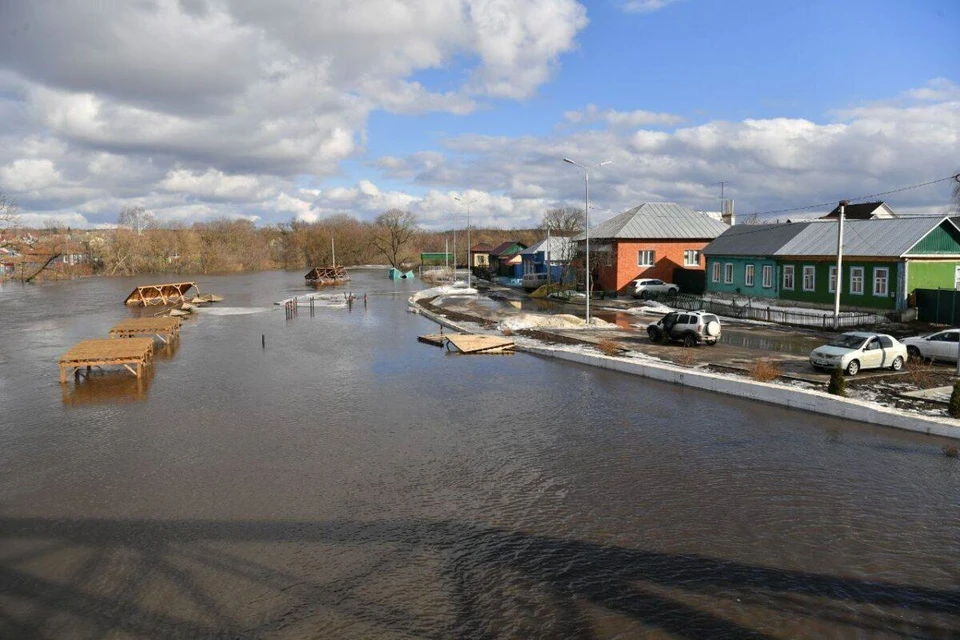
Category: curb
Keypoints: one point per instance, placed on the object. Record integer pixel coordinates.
(802, 399)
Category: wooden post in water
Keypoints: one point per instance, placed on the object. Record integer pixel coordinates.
(263, 340)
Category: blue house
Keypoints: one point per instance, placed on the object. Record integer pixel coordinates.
(551, 256)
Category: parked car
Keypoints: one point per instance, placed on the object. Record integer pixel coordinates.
(693, 328)
(942, 345)
(858, 350)
(533, 281)
(647, 287)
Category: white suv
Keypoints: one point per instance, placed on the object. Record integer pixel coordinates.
(693, 328)
(647, 287)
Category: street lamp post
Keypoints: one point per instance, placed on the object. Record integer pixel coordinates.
(469, 256)
(586, 213)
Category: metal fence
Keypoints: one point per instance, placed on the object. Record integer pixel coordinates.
(745, 309)
(941, 306)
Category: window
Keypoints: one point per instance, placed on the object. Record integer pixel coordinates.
(881, 281)
(788, 277)
(691, 258)
(833, 279)
(646, 258)
(886, 342)
(767, 276)
(728, 273)
(748, 275)
(716, 272)
(856, 281)
(809, 278)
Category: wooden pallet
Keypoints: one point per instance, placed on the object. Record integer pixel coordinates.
(157, 326)
(468, 343)
(159, 294)
(134, 354)
(435, 339)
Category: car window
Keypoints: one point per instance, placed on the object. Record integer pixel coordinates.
(847, 341)
(886, 342)
(684, 319)
(658, 282)
(709, 317)
(872, 345)
(951, 337)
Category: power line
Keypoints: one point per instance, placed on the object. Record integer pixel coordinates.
(875, 195)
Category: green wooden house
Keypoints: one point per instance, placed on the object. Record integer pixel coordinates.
(884, 261)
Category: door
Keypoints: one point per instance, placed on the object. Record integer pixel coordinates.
(872, 354)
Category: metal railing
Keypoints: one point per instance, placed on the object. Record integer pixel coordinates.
(745, 309)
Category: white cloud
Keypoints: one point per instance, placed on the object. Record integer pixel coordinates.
(28, 175)
(629, 119)
(645, 6)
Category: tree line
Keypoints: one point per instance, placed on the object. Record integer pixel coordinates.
(141, 245)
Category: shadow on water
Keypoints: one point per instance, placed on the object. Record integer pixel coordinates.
(498, 584)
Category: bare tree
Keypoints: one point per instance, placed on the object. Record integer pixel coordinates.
(8, 212)
(136, 218)
(564, 221)
(392, 231)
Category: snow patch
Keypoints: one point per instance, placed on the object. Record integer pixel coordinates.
(559, 321)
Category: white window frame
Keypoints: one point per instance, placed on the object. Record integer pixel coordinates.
(696, 258)
(728, 273)
(886, 281)
(788, 269)
(809, 269)
(766, 276)
(856, 273)
(715, 276)
(832, 284)
(642, 253)
(749, 274)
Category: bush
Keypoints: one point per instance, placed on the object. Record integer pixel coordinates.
(764, 371)
(954, 407)
(838, 384)
(609, 347)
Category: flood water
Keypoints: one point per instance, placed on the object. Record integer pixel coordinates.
(347, 481)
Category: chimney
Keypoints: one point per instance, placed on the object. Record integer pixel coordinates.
(727, 214)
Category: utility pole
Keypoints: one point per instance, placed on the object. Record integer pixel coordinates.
(839, 284)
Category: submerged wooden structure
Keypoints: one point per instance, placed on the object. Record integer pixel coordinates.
(467, 343)
(157, 294)
(133, 354)
(164, 328)
(322, 276)
(435, 339)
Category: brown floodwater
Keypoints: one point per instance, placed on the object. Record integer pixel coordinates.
(347, 481)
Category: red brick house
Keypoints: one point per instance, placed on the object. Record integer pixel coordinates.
(649, 241)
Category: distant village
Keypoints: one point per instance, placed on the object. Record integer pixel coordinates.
(887, 258)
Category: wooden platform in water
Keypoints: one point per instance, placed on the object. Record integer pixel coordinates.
(134, 354)
(156, 294)
(163, 328)
(321, 276)
(467, 343)
(436, 339)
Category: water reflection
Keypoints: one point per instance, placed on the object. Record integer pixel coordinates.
(107, 387)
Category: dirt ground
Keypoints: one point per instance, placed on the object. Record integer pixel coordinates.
(760, 351)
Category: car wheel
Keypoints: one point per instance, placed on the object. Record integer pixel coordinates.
(672, 292)
(690, 340)
(853, 367)
(897, 364)
(913, 352)
(654, 333)
(644, 295)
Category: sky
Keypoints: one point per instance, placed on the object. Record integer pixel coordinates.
(303, 109)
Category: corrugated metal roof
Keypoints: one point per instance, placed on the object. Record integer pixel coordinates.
(753, 239)
(659, 221)
(556, 245)
(888, 238)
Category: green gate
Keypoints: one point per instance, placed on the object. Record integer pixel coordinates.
(940, 306)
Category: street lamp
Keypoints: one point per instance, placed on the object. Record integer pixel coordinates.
(586, 212)
(469, 257)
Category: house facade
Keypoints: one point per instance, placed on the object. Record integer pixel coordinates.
(551, 256)
(506, 261)
(652, 240)
(884, 261)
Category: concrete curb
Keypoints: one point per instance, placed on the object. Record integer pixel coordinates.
(803, 399)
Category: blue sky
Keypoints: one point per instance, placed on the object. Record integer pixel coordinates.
(303, 110)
